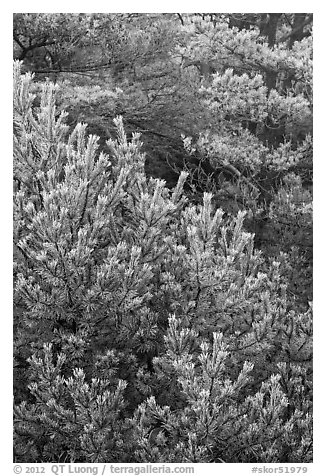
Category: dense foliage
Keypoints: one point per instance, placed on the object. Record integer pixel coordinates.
(163, 280)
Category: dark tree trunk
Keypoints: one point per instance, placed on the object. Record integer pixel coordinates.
(268, 28)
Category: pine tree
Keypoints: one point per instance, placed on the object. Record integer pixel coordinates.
(146, 328)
